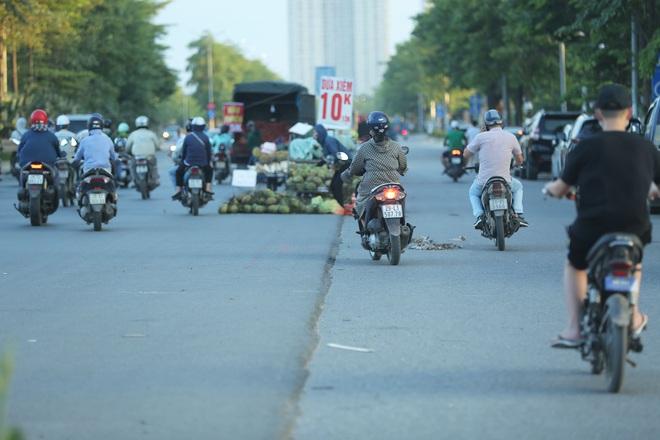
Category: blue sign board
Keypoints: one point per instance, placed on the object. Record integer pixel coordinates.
(211, 114)
(476, 104)
(323, 71)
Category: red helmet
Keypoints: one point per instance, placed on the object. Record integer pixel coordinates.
(39, 117)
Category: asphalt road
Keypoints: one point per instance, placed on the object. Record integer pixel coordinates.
(168, 326)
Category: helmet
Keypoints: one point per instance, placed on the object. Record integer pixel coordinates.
(224, 129)
(141, 122)
(39, 120)
(95, 122)
(378, 123)
(492, 117)
(62, 121)
(454, 124)
(107, 123)
(198, 123)
(123, 128)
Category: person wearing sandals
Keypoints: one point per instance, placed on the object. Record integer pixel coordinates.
(613, 171)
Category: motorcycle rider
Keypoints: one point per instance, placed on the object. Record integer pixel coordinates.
(176, 154)
(122, 137)
(39, 144)
(195, 151)
(611, 198)
(64, 134)
(97, 149)
(16, 136)
(379, 160)
(107, 127)
(455, 139)
(222, 138)
(144, 142)
(495, 148)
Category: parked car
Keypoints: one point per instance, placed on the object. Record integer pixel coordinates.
(78, 122)
(583, 127)
(652, 133)
(538, 141)
(561, 150)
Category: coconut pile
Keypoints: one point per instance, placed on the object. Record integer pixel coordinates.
(267, 201)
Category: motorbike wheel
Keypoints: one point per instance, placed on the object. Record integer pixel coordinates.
(194, 205)
(455, 179)
(616, 347)
(499, 233)
(375, 256)
(97, 221)
(144, 191)
(35, 212)
(394, 254)
(597, 364)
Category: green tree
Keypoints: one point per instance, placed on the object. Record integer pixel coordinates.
(230, 67)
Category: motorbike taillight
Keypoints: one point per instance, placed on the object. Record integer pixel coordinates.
(621, 268)
(390, 195)
(194, 171)
(98, 180)
(497, 189)
(455, 152)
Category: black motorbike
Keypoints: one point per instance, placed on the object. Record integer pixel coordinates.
(500, 220)
(96, 201)
(193, 195)
(455, 167)
(37, 198)
(15, 168)
(385, 231)
(66, 187)
(221, 164)
(123, 169)
(606, 322)
(143, 180)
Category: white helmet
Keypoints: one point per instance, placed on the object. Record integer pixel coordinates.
(454, 124)
(62, 121)
(141, 122)
(198, 123)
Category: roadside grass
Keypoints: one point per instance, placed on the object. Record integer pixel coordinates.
(6, 433)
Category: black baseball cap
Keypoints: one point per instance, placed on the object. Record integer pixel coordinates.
(613, 97)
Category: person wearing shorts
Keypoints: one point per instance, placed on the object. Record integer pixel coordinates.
(614, 172)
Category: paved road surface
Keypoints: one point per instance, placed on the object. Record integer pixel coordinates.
(168, 326)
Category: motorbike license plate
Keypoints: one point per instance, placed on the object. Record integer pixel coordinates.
(97, 199)
(64, 174)
(456, 160)
(35, 179)
(195, 183)
(392, 211)
(221, 165)
(142, 169)
(619, 284)
(496, 204)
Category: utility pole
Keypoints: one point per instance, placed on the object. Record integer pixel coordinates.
(420, 112)
(209, 63)
(562, 75)
(633, 68)
(505, 101)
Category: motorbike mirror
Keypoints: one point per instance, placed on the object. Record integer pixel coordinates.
(405, 149)
(635, 126)
(16, 141)
(342, 156)
(63, 142)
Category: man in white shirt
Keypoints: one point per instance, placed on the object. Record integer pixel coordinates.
(495, 148)
(144, 143)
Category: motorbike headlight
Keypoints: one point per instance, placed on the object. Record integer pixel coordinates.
(172, 148)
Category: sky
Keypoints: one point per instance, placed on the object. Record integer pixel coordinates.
(258, 27)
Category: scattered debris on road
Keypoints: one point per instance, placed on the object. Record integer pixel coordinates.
(349, 348)
(427, 244)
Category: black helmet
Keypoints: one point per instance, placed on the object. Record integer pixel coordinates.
(107, 123)
(378, 124)
(492, 117)
(95, 122)
(189, 125)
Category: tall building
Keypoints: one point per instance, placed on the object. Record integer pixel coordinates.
(350, 35)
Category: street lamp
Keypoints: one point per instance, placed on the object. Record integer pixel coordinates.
(562, 69)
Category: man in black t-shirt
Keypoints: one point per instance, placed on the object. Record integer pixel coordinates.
(614, 172)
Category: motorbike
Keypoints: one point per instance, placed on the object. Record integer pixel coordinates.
(384, 230)
(37, 198)
(606, 321)
(66, 184)
(96, 200)
(500, 221)
(123, 172)
(221, 164)
(142, 180)
(193, 196)
(455, 168)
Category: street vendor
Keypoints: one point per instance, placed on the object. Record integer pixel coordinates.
(331, 146)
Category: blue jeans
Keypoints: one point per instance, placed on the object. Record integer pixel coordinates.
(475, 197)
(172, 173)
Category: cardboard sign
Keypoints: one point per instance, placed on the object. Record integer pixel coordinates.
(244, 178)
(336, 103)
(233, 114)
